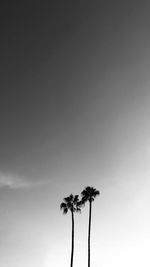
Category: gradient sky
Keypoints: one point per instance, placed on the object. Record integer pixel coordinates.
(74, 111)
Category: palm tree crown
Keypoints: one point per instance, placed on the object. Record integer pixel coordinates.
(89, 193)
(71, 203)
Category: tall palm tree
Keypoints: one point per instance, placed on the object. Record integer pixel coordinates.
(71, 204)
(89, 194)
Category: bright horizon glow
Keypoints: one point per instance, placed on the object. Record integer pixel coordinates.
(120, 230)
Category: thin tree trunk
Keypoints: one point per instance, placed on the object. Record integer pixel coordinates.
(72, 246)
(89, 234)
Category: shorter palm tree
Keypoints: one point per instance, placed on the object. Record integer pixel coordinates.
(73, 205)
(89, 194)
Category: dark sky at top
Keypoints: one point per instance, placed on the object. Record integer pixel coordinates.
(33, 32)
(56, 60)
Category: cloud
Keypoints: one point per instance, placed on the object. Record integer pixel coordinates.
(15, 182)
(12, 181)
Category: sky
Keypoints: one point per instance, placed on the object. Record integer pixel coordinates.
(74, 112)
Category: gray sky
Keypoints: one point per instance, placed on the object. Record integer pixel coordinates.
(74, 111)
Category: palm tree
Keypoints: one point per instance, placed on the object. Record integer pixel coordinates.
(71, 204)
(89, 194)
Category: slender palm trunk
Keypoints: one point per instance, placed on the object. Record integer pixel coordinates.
(72, 246)
(89, 234)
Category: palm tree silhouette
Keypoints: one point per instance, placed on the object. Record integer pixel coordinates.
(71, 204)
(89, 194)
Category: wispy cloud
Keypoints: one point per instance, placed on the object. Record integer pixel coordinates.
(13, 181)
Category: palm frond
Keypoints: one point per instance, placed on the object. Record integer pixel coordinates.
(63, 205)
(84, 199)
(96, 193)
(78, 210)
(76, 199)
(65, 211)
(79, 204)
(66, 199)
